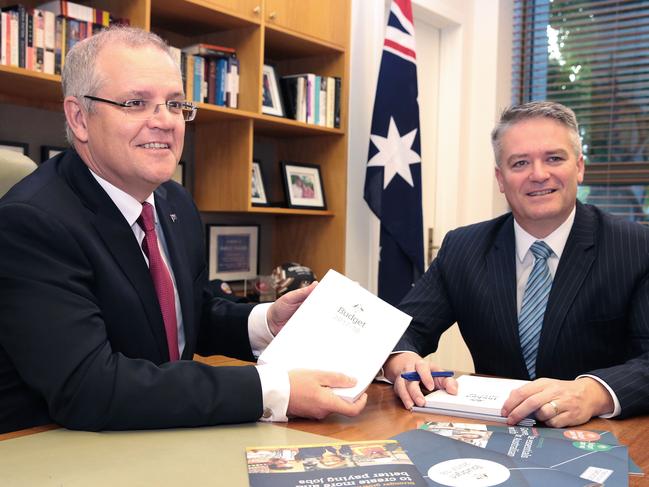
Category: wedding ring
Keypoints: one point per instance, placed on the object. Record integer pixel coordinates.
(555, 407)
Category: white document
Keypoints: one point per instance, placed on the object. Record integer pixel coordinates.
(477, 397)
(340, 327)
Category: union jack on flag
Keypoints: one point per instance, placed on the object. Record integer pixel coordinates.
(393, 176)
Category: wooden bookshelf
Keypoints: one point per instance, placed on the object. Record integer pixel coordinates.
(295, 36)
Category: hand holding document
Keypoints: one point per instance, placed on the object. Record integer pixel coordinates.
(340, 327)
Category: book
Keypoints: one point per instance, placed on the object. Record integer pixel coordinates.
(599, 462)
(340, 327)
(564, 434)
(477, 397)
(355, 463)
(447, 462)
(208, 50)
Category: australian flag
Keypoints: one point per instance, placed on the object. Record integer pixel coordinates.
(393, 177)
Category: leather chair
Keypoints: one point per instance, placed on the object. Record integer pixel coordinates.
(13, 167)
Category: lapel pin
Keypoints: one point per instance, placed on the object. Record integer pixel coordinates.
(173, 217)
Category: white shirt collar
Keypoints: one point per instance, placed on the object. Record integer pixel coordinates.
(127, 205)
(556, 240)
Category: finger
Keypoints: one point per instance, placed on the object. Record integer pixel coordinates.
(449, 384)
(297, 296)
(350, 408)
(334, 379)
(548, 411)
(403, 393)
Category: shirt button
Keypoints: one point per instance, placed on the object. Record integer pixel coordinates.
(268, 413)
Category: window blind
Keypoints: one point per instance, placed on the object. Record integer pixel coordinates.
(593, 56)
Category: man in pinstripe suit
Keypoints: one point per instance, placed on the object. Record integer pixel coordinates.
(593, 349)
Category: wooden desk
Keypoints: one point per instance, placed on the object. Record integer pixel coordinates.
(384, 416)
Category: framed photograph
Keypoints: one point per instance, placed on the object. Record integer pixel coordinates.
(303, 186)
(233, 251)
(21, 147)
(258, 190)
(271, 99)
(49, 151)
(179, 173)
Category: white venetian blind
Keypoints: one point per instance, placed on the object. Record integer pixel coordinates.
(593, 56)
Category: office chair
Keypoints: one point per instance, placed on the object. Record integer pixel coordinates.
(13, 167)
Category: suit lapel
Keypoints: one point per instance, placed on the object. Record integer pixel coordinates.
(501, 266)
(168, 219)
(576, 261)
(120, 242)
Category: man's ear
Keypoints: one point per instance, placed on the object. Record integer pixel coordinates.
(500, 179)
(76, 118)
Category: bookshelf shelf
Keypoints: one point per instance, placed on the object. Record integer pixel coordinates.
(297, 36)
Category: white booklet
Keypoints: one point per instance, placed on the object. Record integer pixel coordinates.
(340, 327)
(477, 397)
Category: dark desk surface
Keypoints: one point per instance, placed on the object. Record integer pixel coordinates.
(384, 416)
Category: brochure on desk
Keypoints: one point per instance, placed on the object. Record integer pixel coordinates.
(340, 327)
(359, 463)
(564, 434)
(477, 398)
(598, 462)
(447, 462)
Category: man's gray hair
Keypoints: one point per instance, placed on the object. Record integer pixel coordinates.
(536, 109)
(79, 76)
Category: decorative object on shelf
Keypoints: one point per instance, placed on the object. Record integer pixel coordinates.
(303, 186)
(290, 276)
(258, 190)
(232, 251)
(179, 173)
(271, 100)
(21, 147)
(49, 151)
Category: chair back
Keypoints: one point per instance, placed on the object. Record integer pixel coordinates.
(13, 167)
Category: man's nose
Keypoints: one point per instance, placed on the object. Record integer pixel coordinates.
(539, 171)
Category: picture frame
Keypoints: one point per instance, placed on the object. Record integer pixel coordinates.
(22, 147)
(258, 188)
(303, 186)
(271, 100)
(49, 151)
(179, 173)
(233, 251)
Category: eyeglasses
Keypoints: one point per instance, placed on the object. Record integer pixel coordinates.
(145, 109)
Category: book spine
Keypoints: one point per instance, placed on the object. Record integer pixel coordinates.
(301, 98)
(221, 76)
(59, 27)
(331, 89)
(337, 103)
(39, 40)
(15, 38)
(190, 77)
(30, 53)
(232, 94)
(197, 81)
(289, 92)
(211, 81)
(4, 26)
(316, 100)
(49, 41)
(322, 101)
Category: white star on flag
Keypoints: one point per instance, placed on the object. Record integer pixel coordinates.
(395, 154)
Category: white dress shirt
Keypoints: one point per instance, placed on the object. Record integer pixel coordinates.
(275, 384)
(525, 261)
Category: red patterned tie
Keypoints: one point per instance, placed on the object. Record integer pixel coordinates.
(162, 282)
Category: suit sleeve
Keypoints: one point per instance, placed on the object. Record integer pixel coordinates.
(630, 380)
(53, 331)
(430, 307)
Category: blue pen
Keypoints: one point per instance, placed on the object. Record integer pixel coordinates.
(412, 376)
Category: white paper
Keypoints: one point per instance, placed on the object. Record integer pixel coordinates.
(340, 327)
(479, 395)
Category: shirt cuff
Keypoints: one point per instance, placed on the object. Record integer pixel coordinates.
(258, 331)
(617, 409)
(275, 390)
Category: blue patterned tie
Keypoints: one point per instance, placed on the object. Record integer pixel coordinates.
(535, 298)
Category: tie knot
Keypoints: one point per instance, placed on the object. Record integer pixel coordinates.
(146, 220)
(541, 250)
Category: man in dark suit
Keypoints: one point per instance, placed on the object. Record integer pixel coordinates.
(555, 291)
(105, 296)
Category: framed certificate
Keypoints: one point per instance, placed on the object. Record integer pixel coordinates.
(233, 251)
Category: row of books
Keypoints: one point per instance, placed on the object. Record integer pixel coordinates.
(312, 98)
(210, 73)
(443, 454)
(39, 38)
